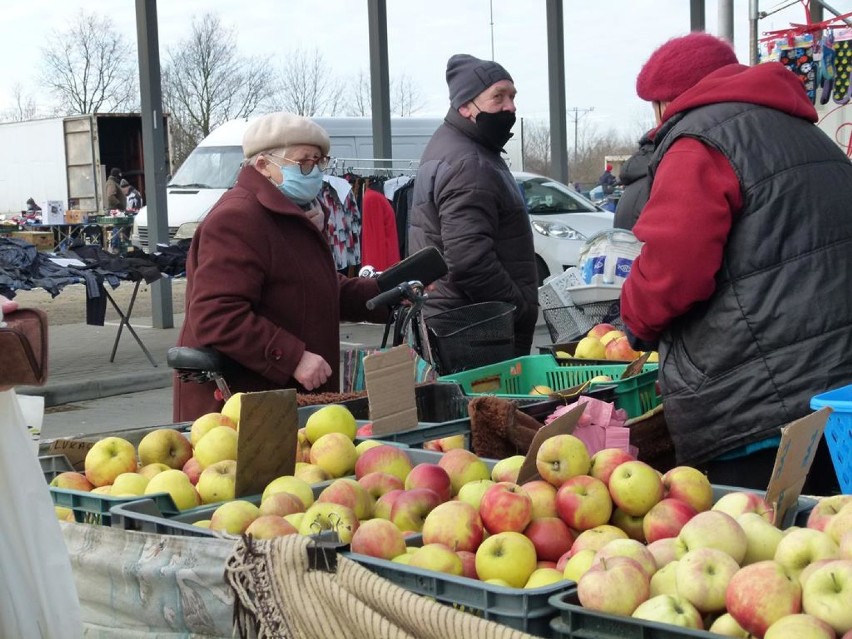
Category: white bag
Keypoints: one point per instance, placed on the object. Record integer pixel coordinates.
(606, 257)
(37, 593)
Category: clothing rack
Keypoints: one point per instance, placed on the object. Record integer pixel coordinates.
(380, 167)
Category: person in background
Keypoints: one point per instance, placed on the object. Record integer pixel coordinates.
(262, 287)
(607, 180)
(636, 185)
(467, 204)
(115, 198)
(748, 208)
(134, 197)
(32, 207)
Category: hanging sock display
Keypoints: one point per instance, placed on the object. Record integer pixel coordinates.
(843, 70)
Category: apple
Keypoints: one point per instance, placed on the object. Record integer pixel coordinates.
(410, 508)
(72, 480)
(761, 536)
(804, 546)
(630, 548)
(702, 578)
(561, 457)
(540, 389)
(551, 537)
(292, 485)
(825, 509)
(217, 445)
(760, 594)
(827, 595)
(616, 586)
(472, 492)
(628, 523)
(295, 519)
(101, 490)
(845, 545)
(542, 577)
(281, 504)
(507, 469)
(665, 551)
(303, 447)
(129, 485)
(509, 556)
(737, 503)
(666, 519)
(727, 626)
(607, 460)
(233, 408)
(447, 443)
(269, 526)
(348, 492)
(384, 459)
(670, 609)
(382, 510)
(590, 348)
(607, 337)
(463, 466)
(107, 459)
(204, 424)
(378, 538)
(328, 516)
(430, 476)
(377, 484)
(330, 419)
(64, 514)
(800, 626)
(543, 497)
(468, 560)
(218, 482)
(152, 469)
(839, 524)
(455, 524)
(620, 349)
(635, 487)
(597, 537)
(505, 507)
(310, 473)
(690, 485)
(402, 559)
(811, 568)
(437, 557)
(583, 502)
(714, 529)
(549, 564)
(578, 564)
(234, 517)
(599, 330)
(664, 581)
(334, 453)
(362, 447)
(192, 468)
(177, 484)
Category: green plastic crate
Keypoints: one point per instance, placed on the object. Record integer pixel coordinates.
(514, 378)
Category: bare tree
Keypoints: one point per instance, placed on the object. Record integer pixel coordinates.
(406, 99)
(24, 105)
(360, 103)
(206, 82)
(307, 86)
(536, 146)
(90, 67)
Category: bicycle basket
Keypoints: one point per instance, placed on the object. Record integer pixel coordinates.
(472, 336)
(570, 323)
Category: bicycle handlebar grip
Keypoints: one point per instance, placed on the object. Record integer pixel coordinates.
(388, 298)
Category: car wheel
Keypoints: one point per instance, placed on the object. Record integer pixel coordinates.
(541, 267)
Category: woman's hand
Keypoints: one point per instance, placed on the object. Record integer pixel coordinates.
(7, 305)
(313, 371)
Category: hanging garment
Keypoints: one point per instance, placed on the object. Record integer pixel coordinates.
(800, 60)
(343, 226)
(380, 241)
(402, 200)
(843, 70)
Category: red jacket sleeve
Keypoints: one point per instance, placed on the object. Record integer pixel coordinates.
(684, 227)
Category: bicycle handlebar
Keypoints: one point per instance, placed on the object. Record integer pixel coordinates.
(407, 290)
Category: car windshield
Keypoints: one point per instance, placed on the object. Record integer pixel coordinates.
(544, 197)
(209, 167)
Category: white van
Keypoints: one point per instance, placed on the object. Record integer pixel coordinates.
(211, 169)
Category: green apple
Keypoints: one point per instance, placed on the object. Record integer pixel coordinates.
(727, 626)
(204, 424)
(664, 581)
(543, 577)
(578, 564)
(328, 516)
(827, 595)
(507, 469)
(463, 466)
(472, 492)
(804, 546)
(762, 538)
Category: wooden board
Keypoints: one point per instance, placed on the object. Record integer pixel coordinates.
(266, 448)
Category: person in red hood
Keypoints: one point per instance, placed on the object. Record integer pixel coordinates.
(741, 281)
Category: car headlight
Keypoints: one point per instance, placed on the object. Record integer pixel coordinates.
(558, 230)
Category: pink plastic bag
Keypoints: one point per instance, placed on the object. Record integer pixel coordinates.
(600, 426)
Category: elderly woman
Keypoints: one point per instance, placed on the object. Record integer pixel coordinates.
(262, 287)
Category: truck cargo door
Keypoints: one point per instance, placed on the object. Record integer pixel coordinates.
(82, 163)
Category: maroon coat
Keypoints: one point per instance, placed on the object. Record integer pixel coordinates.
(262, 288)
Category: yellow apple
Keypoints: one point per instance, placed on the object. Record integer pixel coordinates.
(541, 390)
(149, 470)
(202, 523)
(330, 419)
(218, 482)
(507, 555)
(578, 564)
(590, 348)
(507, 469)
(234, 517)
(269, 526)
(107, 459)
(311, 473)
(71, 480)
(366, 445)
(328, 516)
(165, 446)
(63, 514)
(176, 483)
(292, 485)
(204, 424)
(129, 485)
(437, 557)
(217, 445)
(335, 453)
(544, 577)
(232, 408)
(295, 519)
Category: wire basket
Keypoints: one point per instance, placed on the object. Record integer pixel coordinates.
(472, 336)
(570, 323)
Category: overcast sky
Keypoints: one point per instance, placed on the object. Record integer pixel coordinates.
(606, 41)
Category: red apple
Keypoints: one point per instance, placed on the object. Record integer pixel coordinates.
(596, 538)
(378, 538)
(430, 476)
(551, 537)
(825, 509)
(409, 509)
(607, 460)
(737, 503)
(384, 504)
(281, 504)
(377, 484)
(456, 524)
(760, 594)
(630, 548)
(615, 586)
(583, 502)
(620, 349)
(463, 466)
(383, 459)
(348, 492)
(666, 518)
(505, 507)
(599, 330)
(193, 470)
(71, 480)
(468, 560)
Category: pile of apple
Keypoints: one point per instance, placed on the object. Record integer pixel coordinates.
(605, 341)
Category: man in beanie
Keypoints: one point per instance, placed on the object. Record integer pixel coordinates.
(607, 180)
(467, 204)
(115, 198)
(262, 287)
(742, 279)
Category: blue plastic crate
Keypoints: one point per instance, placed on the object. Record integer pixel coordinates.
(838, 431)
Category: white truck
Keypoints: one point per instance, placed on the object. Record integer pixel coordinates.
(212, 167)
(68, 159)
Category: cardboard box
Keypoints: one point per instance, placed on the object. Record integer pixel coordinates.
(52, 212)
(75, 216)
(42, 240)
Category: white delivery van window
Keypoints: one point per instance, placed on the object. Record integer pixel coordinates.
(209, 167)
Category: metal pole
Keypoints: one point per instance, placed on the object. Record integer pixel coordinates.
(697, 20)
(156, 163)
(556, 87)
(726, 20)
(753, 44)
(377, 15)
(491, 10)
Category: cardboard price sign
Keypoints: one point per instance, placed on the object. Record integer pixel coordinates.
(562, 425)
(635, 367)
(74, 449)
(266, 448)
(389, 378)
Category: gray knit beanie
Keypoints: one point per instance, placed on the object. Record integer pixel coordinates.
(468, 76)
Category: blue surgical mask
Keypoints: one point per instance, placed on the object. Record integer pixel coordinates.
(300, 188)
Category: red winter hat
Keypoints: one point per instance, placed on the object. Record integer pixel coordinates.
(680, 64)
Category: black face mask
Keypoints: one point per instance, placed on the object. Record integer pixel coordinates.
(496, 128)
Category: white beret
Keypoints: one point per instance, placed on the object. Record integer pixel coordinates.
(281, 130)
